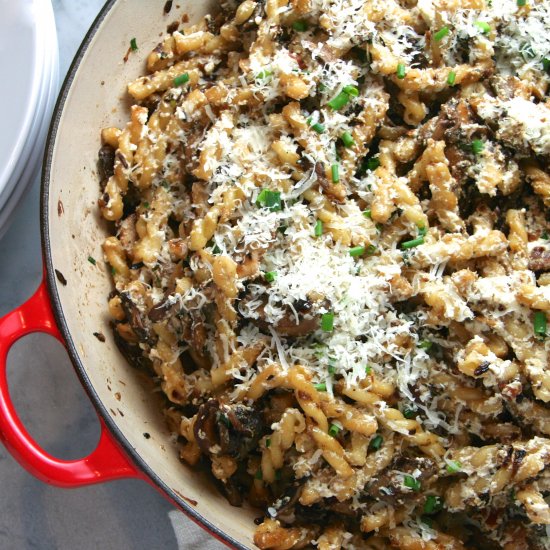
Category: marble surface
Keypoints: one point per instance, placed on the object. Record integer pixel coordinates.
(119, 515)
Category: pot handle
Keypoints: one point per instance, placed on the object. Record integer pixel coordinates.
(105, 463)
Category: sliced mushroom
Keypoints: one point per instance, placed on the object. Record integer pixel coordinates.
(139, 322)
(232, 430)
(132, 352)
(297, 321)
(390, 486)
(105, 164)
(162, 310)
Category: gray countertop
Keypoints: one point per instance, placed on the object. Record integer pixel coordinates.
(119, 515)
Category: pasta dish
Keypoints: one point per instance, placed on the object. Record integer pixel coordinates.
(330, 248)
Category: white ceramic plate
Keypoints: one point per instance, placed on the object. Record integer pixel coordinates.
(28, 61)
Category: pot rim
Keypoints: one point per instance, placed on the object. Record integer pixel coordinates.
(56, 301)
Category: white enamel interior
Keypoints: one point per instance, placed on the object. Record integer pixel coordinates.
(96, 98)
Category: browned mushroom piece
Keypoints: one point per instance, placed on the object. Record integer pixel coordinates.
(204, 428)
(132, 352)
(390, 486)
(234, 429)
(105, 164)
(297, 321)
(139, 322)
(283, 508)
(163, 309)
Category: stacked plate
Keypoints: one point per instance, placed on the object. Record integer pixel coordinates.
(29, 68)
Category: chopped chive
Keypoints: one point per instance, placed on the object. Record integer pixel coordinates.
(318, 231)
(259, 474)
(427, 521)
(373, 163)
(451, 79)
(331, 370)
(268, 443)
(412, 483)
(453, 466)
(318, 127)
(483, 26)
(545, 236)
(425, 344)
(376, 442)
(371, 249)
(321, 386)
(322, 87)
(347, 139)
(299, 25)
(351, 90)
(414, 242)
(422, 230)
(269, 199)
(379, 227)
(477, 146)
(357, 251)
(441, 34)
(146, 205)
(539, 324)
(522, 3)
(92, 260)
(113, 271)
(527, 51)
(546, 64)
(409, 413)
(341, 100)
(367, 214)
(327, 321)
(270, 276)
(401, 71)
(368, 369)
(264, 74)
(432, 504)
(181, 79)
(133, 45)
(333, 430)
(335, 171)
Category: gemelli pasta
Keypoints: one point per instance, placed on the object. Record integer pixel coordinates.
(330, 248)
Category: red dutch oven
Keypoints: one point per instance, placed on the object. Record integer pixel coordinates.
(71, 302)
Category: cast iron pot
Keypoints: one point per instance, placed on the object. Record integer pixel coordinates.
(71, 303)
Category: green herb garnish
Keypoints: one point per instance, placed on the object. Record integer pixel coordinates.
(539, 324)
(333, 430)
(299, 25)
(318, 230)
(453, 466)
(412, 483)
(335, 172)
(376, 442)
(327, 322)
(451, 79)
(269, 199)
(347, 139)
(401, 71)
(441, 34)
(181, 79)
(412, 243)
